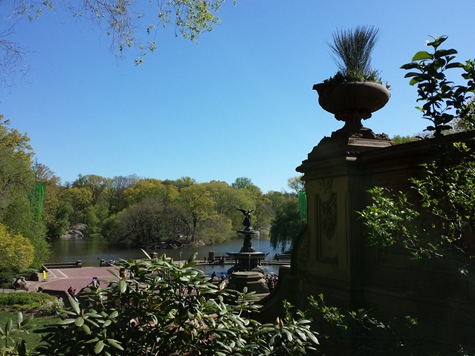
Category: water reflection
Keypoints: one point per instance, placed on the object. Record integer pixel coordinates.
(90, 251)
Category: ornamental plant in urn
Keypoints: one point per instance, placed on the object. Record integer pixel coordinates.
(355, 92)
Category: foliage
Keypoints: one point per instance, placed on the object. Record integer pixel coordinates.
(296, 184)
(32, 337)
(286, 225)
(441, 215)
(123, 21)
(138, 212)
(172, 309)
(11, 342)
(398, 140)
(443, 99)
(147, 222)
(198, 207)
(466, 121)
(363, 329)
(16, 250)
(352, 50)
(31, 302)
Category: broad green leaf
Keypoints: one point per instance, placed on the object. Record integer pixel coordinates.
(115, 343)
(146, 254)
(66, 321)
(415, 80)
(99, 346)
(86, 329)
(74, 305)
(411, 65)
(444, 52)
(20, 317)
(454, 65)
(79, 321)
(113, 272)
(122, 286)
(421, 55)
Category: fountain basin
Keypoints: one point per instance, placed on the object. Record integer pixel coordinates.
(245, 261)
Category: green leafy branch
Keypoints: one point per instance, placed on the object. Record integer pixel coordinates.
(443, 100)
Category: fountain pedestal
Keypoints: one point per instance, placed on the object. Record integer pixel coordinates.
(254, 281)
(247, 258)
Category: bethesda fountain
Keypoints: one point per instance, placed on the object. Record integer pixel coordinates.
(247, 258)
(246, 272)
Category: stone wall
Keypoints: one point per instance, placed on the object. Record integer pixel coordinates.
(332, 256)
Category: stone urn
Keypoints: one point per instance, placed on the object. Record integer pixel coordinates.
(351, 102)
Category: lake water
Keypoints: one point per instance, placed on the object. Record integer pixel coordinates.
(91, 251)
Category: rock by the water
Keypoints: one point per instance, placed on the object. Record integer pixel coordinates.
(77, 232)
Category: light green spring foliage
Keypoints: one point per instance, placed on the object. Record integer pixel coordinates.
(156, 306)
(133, 24)
(352, 50)
(16, 250)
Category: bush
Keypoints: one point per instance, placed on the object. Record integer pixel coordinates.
(156, 306)
(6, 279)
(31, 302)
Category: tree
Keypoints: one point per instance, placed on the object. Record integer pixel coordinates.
(398, 140)
(149, 221)
(198, 206)
(296, 184)
(145, 188)
(16, 250)
(80, 199)
(285, 226)
(16, 176)
(245, 183)
(18, 203)
(116, 191)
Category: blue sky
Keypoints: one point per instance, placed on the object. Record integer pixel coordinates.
(239, 103)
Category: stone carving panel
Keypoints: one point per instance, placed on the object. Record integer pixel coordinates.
(326, 222)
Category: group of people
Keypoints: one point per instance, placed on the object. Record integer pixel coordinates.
(215, 276)
(271, 280)
(94, 283)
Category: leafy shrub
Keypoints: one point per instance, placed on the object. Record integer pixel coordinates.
(156, 306)
(6, 279)
(30, 302)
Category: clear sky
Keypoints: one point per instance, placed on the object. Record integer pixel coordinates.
(239, 103)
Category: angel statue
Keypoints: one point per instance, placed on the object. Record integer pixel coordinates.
(247, 220)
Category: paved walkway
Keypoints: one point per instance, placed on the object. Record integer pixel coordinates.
(78, 278)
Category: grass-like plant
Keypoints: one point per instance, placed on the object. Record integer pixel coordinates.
(352, 50)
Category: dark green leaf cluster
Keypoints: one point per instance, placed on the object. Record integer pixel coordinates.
(157, 306)
(368, 334)
(442, 99)
(441, 214)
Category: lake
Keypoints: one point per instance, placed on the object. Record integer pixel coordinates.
(91, 251)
